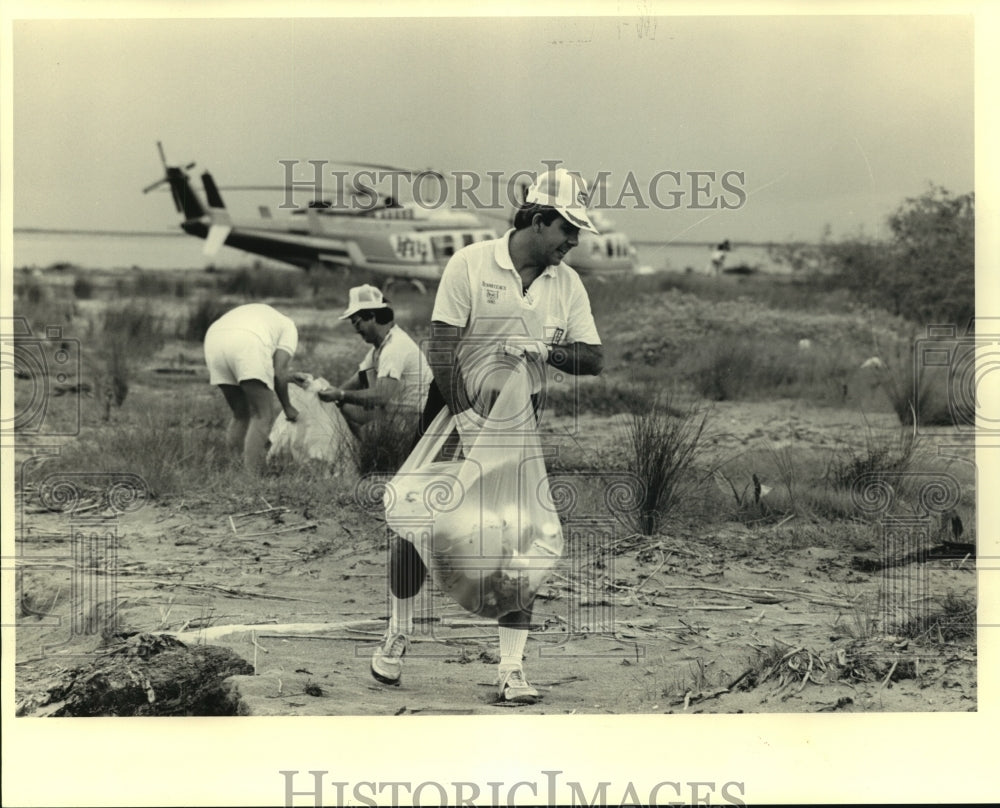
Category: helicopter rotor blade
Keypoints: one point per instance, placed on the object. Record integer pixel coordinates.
(384, 167)
(163, 158)
(293, 188)
(326, 192)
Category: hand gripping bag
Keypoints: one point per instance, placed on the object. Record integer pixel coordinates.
(485, 525)
(319, 434)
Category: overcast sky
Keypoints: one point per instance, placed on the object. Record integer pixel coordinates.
(826, 120)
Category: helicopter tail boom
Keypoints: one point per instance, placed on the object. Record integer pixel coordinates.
(185, 199)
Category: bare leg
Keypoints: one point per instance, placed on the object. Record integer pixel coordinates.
(237, 431)
(262, 404)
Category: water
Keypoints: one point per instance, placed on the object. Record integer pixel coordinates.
(179, 251)
(121, 251)
(695, 257)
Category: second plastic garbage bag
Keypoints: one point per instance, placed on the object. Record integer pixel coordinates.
(319, 434)
(484, 525)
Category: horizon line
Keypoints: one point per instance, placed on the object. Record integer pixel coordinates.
(177, 234)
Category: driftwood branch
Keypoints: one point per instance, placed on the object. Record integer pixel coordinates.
(225, 590)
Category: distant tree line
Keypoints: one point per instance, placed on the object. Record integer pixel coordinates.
(924, 271)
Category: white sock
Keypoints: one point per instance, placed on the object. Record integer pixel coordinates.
(512, 641)
(401, 616)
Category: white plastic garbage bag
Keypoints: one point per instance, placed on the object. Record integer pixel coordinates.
(485, 525)
(319, 434)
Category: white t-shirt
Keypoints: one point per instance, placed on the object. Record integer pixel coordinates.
(399, 357)
(481, 292)
(274, 329)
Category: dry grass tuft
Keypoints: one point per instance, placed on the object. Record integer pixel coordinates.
(663, 446)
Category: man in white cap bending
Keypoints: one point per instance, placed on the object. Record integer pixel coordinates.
(510, 295)
(394, 371)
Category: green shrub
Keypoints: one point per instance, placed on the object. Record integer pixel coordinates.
(151, 283)
(83, 289)
(723, 369)
(749, 366)
(601, 398)
(122, 337)
(137, 327)
(264, 283)
(926, 270)
(30, 291)
(37, 303)
(609, 297)
(200, 316)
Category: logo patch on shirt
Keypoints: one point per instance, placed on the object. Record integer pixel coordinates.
(492, 292)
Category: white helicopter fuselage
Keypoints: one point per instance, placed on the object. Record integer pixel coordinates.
(402, 242)
(393, 242)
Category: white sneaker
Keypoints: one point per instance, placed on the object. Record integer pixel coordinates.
(514, 688)
(387, 661)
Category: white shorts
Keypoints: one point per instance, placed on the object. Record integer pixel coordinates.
(234, 356)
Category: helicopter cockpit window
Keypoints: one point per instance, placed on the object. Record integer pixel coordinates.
(397, 212)
(444, 245)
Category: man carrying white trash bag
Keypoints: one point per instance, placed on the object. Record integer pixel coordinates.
(480, 514)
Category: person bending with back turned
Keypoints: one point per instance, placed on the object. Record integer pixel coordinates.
(248, 351)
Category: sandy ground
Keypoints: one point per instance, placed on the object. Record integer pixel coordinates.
(707, 616)
(627, 624)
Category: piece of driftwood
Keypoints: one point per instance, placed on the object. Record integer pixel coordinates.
(225, 590)
(205, 635)
(144, 675)
(946, 550)
(765, 596)
(287, 529)
(698, 607)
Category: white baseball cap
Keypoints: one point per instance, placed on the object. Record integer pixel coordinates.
(363, 297)
(564, 191)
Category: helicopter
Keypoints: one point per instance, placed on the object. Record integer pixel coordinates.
(609, 253)
(392, 241)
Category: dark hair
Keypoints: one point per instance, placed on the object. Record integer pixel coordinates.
(527, 211)
(382, 316)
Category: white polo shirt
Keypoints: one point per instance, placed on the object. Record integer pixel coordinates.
(481, 292)
(399, 357)
(260, 321)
